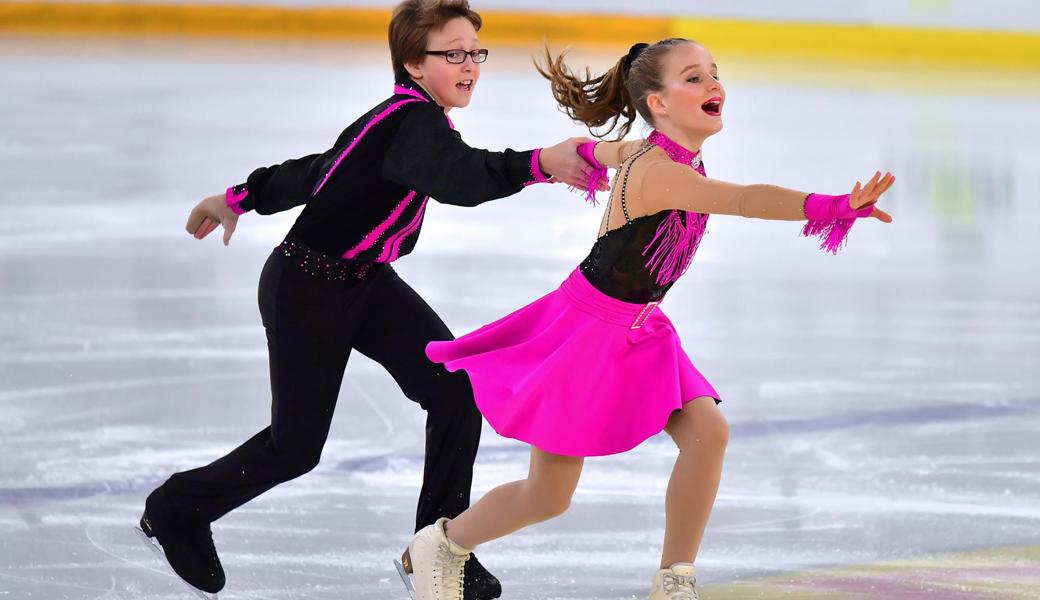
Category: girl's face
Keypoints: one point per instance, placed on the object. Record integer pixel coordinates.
(450, 85)
(693, 96)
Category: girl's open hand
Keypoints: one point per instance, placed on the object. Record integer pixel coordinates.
(868, 195)
(210, 213)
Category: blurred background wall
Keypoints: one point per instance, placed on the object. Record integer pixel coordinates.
(999, 33)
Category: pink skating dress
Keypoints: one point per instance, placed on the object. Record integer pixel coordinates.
(595, 367)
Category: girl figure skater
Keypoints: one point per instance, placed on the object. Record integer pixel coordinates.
(329, 288)
(595, 367)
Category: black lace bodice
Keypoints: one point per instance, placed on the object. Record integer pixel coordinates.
(617, 266)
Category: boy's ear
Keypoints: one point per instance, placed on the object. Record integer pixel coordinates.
(414, 69)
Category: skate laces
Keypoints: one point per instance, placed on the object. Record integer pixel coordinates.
(679, 587)
(449, 572)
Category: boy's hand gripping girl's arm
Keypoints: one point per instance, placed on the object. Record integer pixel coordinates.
(569, 167)
(599, 156)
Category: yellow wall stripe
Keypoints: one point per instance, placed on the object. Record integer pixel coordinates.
(734, 37)
(222, 20)
(865, 42)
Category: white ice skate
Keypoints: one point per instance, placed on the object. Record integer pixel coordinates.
(439, 564)
(157, 548)
(677, 583)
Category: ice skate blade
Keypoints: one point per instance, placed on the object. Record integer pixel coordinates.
(405, 578)
(157, 548)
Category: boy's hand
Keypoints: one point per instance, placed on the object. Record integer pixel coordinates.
(563, 163)
(210, 213)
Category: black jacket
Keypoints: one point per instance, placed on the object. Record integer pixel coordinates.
(366, 196)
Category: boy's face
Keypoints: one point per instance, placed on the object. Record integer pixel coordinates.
(451, 85)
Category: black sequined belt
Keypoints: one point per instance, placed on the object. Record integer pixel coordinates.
(322, 265)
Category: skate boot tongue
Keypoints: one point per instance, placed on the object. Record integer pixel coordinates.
(679, 582)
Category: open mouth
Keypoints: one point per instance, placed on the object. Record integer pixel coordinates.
(465, 85)
(713, 107)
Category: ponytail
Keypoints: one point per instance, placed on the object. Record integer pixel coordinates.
(602, 101)
(613, 99)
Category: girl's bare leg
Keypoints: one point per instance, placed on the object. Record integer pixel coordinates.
(546, 493)
(701, 432)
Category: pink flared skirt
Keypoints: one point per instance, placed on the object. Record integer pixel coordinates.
(577, 372)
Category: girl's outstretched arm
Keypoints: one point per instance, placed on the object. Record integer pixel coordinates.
(671, 185)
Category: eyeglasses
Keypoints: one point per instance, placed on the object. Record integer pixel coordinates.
(457, 57)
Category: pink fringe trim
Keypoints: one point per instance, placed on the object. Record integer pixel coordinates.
(830, 219)
(597, 176)
(592, 183)
(680, 234)
(832, 233)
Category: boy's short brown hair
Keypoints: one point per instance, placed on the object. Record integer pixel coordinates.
(412, 22)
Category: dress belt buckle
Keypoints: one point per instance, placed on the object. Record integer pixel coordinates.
(644, 314)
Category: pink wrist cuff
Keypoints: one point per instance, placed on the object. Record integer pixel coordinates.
(830, 218)
(822, 206)
(597, 174)
(234, 200)
(588, 152)
(537, 176)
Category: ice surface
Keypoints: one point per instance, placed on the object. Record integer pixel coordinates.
(884, 403)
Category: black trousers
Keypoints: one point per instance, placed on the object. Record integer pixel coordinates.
(312, 326)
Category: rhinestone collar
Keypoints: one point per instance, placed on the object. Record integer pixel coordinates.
(675, 151)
